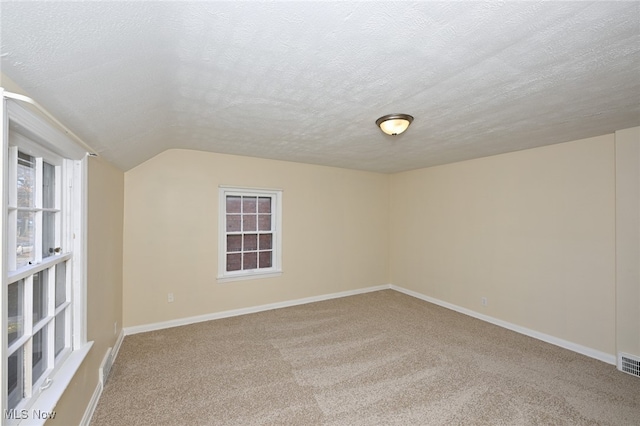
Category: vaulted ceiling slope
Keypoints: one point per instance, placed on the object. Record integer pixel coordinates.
(305, 81)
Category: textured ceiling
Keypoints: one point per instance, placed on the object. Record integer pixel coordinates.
(305, 81)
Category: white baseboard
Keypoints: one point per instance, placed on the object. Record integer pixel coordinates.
(116, 346)
(97, 393)
(93, 403)
(592, 353)
(243, 311)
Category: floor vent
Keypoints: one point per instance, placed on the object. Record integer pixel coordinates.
(105, 367)
(629, 364)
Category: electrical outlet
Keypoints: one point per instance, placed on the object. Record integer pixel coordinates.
(484, 301)
(170, 297)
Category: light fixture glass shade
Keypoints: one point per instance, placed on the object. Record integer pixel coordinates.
(394, 124)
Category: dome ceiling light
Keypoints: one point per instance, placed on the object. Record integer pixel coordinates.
(394, 124)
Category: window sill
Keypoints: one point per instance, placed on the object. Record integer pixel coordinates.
(252, 276)
(46, 402)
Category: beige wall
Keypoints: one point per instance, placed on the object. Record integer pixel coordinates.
(335, 233)
(104, 284)
(628, 240)
(532, 231)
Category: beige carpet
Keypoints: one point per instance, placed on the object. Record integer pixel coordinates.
(381, 358)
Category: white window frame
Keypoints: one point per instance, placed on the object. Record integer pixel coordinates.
(276, 223)
(24, 129)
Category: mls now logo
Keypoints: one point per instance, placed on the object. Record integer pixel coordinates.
(14, 414)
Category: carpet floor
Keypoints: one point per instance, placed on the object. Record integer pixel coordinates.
(381, 358)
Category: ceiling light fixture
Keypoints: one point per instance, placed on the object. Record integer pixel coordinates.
(394, 124)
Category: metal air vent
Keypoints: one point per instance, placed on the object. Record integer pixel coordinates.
(629, 364)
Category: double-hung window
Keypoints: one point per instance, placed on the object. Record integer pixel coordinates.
(250, 233)
(42, 267)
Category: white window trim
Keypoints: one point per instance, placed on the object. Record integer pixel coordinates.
(224, 276)
(49, 136)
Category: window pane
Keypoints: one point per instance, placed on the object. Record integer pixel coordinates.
(25, 238)
(40, 295)
(264, 222)
(60, 323)
(39, 354)
(234, 243)
(265, 241)
(265, 259)
(234, 262)
(15, 373)
(233, 223)
(61, 283)
(264, 205)
(15, 294)
(26, 180)
(48, 186)
(249, 204)
(249, 222)
(233, 204)
(48, 234)
(250, 261)
(250, 242)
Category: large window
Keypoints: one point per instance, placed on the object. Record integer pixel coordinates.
(250, 233)
(38, 294)
(43, 276)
